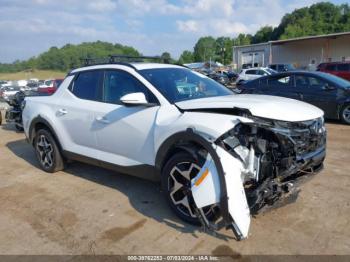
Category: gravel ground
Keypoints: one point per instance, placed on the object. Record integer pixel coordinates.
(89, 210)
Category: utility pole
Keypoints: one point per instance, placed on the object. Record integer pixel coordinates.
(223, 50)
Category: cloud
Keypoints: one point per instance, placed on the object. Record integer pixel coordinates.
(102, 6)
(188, 26)
(30, 27)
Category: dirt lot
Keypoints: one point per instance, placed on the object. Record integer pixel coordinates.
(89, 210)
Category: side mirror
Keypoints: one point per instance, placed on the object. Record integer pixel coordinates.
(134, 99)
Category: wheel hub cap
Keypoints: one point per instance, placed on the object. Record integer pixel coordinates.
(179, 186)
(346, 114)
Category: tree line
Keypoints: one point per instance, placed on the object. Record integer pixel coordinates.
(318, 19)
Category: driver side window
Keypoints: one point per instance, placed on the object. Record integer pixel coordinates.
(118, 83)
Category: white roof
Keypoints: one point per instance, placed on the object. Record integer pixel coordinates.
(138, 66)
(256, 68)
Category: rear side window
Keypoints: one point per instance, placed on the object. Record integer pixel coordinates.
(344, 67)
(250, 72)
(282, 81)
(87, 85)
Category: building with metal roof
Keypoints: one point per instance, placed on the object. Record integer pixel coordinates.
(302, 52)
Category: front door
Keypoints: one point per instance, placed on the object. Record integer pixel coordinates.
(125, 134)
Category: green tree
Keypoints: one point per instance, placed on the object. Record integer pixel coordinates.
(243, 39)
(204, 50)
(224, 49)
(166, 57)
(186, 57)
(264, 34)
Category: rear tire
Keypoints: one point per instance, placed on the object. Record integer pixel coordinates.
(48, 152)
(176, 181)
(345, 114)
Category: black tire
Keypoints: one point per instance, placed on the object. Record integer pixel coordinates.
(179, 210)
(345, 114)
(50, 149)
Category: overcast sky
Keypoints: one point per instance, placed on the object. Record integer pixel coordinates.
(29, 27)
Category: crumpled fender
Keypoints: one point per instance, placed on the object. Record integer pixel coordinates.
(206, 189)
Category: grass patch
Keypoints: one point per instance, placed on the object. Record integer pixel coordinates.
(40, 74)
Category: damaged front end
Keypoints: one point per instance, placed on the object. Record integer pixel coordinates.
(262, 162)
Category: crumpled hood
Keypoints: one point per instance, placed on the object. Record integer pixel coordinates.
(271, 107)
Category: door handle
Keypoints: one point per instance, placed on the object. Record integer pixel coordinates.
(62, 111)
(102, 119)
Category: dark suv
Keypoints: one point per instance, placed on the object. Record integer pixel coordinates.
(341, 69)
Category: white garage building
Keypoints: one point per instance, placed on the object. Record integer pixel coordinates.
(303, 52)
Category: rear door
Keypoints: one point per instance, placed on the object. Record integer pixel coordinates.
(280, 85)
(75, 112)
(320, 93)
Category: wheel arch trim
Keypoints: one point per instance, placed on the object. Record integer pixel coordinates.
(40, 120)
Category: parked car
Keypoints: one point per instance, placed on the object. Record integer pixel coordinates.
(50, 86)
(8, 91)
(33, 86)
(326, 91)
(232, 76)
(220, 77)
(341, 69)
(282, 67)
(217, 154)
(253, 73)
(3, 82)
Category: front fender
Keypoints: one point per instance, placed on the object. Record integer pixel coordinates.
(223, 186)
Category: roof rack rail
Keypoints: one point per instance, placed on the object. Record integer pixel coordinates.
(121, 59)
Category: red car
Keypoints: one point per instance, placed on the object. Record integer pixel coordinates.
(341, 69)
(50, 86)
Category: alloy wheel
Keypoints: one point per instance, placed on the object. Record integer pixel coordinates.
(346, 114)
(45, 150)
(179, 186)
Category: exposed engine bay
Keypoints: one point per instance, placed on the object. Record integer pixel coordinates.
(272, 156)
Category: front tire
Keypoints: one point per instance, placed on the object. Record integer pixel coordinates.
(47, 152)
(176, 181)
(345, 114)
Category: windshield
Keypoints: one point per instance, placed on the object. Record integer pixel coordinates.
(335, 79)
(180, 84)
